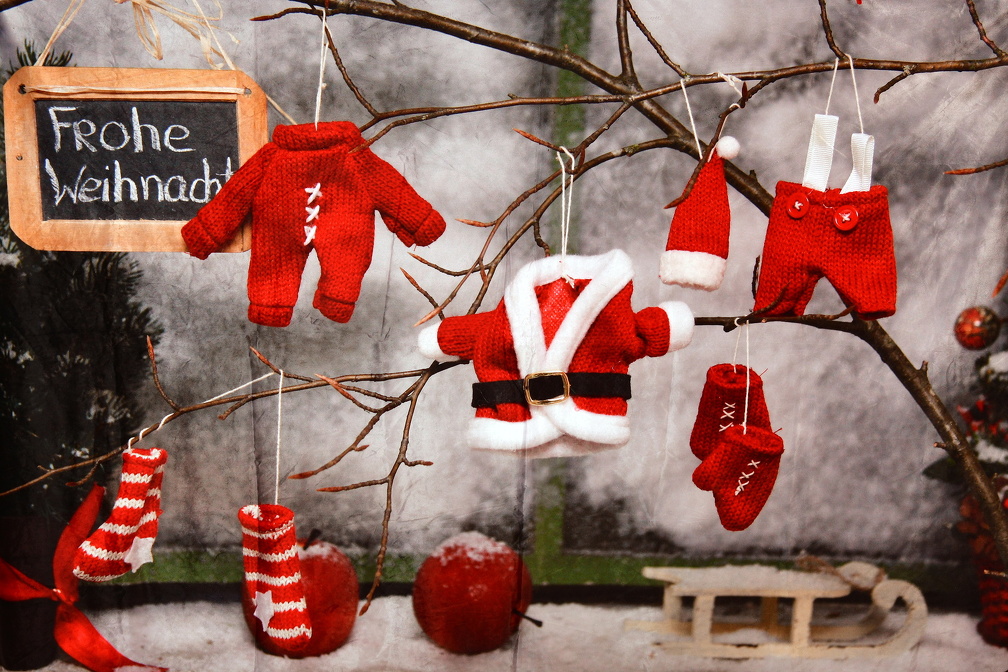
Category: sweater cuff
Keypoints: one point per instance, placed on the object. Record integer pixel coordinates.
(430, 230)
(198, 241)
(681, 323)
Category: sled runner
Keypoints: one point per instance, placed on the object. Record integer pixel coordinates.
(801, 638)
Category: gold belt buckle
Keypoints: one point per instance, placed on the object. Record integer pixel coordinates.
(553, 400)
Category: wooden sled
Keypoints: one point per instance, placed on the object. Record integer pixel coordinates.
(800, 638)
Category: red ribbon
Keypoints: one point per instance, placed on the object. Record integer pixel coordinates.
(74, 632)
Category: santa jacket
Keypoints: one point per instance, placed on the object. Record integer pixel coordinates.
(306, 190)
(545, 325)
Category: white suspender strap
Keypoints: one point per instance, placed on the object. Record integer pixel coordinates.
(820, 152)
(862, 151)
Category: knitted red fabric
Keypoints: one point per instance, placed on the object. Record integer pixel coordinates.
(723, 405)
(741, 472)
(700, 228)
(804, 243)
(592, 321)
(123, 542)
(273, 574)
(306, 190)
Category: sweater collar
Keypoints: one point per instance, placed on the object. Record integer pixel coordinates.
(329, 134)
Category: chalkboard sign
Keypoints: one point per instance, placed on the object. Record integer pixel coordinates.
(121, 159)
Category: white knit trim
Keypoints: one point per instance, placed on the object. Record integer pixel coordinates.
(289, 633)
(100, 553)
(297, 605)
(267, 580)
(127, 503)
(84, 576)
(129, 529)
(135, 477)
(270, 557)
(681, 323)
(695, 270)
(427, 342)
(275, 534)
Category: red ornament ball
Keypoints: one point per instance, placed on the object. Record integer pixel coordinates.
(468, 591)
(977, 327)
(331, 594)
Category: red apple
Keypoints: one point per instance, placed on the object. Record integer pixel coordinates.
(469, 594)
(331, 594)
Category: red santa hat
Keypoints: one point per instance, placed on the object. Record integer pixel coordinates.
(697, 250)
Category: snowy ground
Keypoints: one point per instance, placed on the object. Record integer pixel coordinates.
(210, 636)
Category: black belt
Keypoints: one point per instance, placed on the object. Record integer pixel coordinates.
(540, 389)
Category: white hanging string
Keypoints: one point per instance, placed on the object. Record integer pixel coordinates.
(738, 338)
(321, 72)
(836, 64)
(857, 99)
(689, 112)
(745, 413)
(148, 430)
(566, 203)
(276, 486)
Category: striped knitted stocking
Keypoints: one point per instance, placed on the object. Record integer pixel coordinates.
(124, 541)
(273, 574)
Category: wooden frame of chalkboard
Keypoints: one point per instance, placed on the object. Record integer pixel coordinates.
(103, 159)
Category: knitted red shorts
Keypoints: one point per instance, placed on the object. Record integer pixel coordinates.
(846, 238)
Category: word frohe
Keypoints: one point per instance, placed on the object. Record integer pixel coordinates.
(129, 158)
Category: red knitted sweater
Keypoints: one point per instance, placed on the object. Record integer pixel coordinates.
(307, 190)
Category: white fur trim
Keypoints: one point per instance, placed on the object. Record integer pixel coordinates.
(427, 341)
(696, 270)
(549, 423)
(681, 324)
(595, 427)
(728, 147)
(493, 434)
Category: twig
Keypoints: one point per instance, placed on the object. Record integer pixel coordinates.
(828, 32)
(426, 295)
(998, 51)
(154, 375)
(354, 89)
(627, 73)
(907, 71)
(980, 169)
(654, 43)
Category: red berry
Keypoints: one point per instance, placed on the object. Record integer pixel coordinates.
(469, 593)
(977, 327)
(331, 594)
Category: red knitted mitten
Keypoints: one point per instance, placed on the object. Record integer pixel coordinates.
(741, 472)
(273, 573)
(723, 405)
(124, 541)
(697, 249)
(846, 238)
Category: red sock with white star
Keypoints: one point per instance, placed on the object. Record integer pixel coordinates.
(273, 574)
(123, 542)
(741, 472)
(723, 405)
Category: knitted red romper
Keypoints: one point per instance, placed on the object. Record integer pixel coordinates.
(843, 235)
(306, 190)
